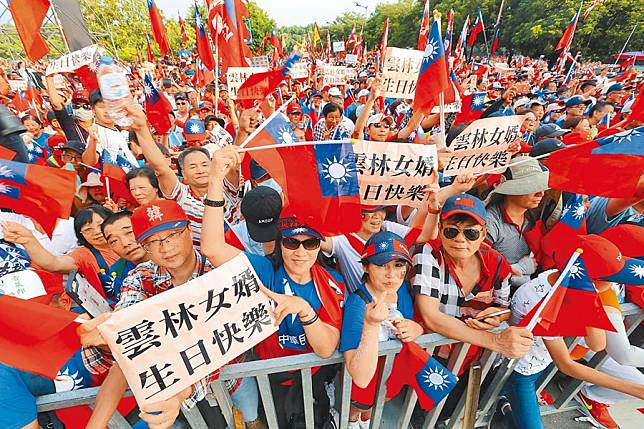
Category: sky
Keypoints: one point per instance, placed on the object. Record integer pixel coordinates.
(289, 12)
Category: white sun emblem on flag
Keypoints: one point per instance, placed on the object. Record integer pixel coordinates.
(148, 89)
(195, 129)
(579, 211)
(65, 381)
(477, 101)
(436, 378)
(6, 171)
(154, 213)
(4, 189)
(336, 170)
(284, 135)
(576, 271)
(430, 50)
(638, 271)
(384, 246)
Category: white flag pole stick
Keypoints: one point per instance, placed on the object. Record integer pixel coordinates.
(263, 124)
(107, 187)
(441, 143)
(625, 44)
(295, 144)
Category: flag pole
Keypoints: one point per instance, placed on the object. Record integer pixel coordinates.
(294, 144)
(263, 124)
(107, 187)
(487, 48)
(625, 44)
(441, 144)
(535, 319)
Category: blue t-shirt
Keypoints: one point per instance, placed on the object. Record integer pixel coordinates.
(354, 313)
(596, 219)
(291, 332)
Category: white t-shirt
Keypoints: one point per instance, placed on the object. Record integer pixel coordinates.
(523, 301)
(349, 258)
(63, 238)
(115, 142)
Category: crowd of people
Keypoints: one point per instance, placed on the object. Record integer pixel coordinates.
(479, 245)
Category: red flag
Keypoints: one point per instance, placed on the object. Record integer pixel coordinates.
(332, 181)
(225, 19)
(232, 238)
(28, 16)
(413, 366)
(259, 85)
(495, 42)
(30, 330)
(566, 37)
(204, 50)
(158, 29)
(182, 25)
(43, 193)
(574, 306)
(476, 30)
(433, 78)
(6, 153)
(424, 28)
(157, 107)
(384, 40)
(577, 169)
(148, 49)
(351, 41)
(637, 108)
(472, 107)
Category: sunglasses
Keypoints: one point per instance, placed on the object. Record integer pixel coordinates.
(385, 126)
(294, 244)
(81, 106)
(180, 103)
(471, 234)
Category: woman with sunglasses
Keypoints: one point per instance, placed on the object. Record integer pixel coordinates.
(385, 261)
(308, 297)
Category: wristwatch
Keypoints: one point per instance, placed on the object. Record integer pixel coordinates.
(213, 203)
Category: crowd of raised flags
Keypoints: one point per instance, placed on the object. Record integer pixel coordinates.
(547, 239)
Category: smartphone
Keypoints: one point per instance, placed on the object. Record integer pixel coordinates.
(498, 313)
(84, 294)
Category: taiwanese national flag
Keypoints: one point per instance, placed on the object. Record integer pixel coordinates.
(259, 85)
(431, 381)
(571, 224)
(476, 30)
(226, 18)
(424, 28)
(41, 192)
(30, 331)
(352, 40)
(590, 168)
(28, 16)
(204, 50)
(158, 29)
(472, 107)
(115, 170)
(325, 194)
(495, 42)
(433, 77)
(231, 237)
(566, 37)
(157, 107)
(148, 49)
(637, 108)
(449, 30)
(574, 306)
(182, 25)
(275, 43)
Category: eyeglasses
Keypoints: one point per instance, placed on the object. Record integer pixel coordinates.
(181, 103)
(298, 125)
(385, 126)
(155, 245)
(471, 234)
(91, 229)
(71, 157)
(85, 106)
(294, 244)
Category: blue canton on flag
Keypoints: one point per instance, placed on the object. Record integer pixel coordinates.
(151, 92)
(630, 142)
(13, 172)
(478, 101)
(574, 212)
(280, 130)
(337, 172)
(435, 380)
(578, 279)
(120, 161)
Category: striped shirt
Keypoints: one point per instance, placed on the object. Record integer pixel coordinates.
(505, 236)
(193, 206)
(434, 276)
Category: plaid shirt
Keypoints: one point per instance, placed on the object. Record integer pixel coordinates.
(340, 132)
(434, 276)
(145, 281)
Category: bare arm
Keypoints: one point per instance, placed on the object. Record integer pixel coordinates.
(154, 157)
(90, 156)
(513, 342)
(412, 125)
(361, 121)
(363, 361)
(560, 355)
(213, 243)
(108, 398)
(16, 233)
(55, 99)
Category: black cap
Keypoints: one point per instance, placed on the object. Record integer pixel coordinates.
(261, 208)
(75, 145)
(546, 146)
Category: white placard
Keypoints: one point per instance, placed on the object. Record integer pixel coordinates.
(400, 72)
(73, 61)
(338, 47)
(235, 76)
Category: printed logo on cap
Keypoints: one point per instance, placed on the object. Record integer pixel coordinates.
(154, 213)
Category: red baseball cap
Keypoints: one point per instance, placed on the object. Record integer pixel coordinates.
(157, 216)
(293, 107)
(628, 238)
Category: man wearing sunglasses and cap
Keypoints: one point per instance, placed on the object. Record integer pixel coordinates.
(163, 230)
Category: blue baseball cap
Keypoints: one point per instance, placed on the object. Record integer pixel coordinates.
(194, 130)
(465, 204)
(384, 247)
(614, 87)
(371, 209)
(575, 100)
(290, 226)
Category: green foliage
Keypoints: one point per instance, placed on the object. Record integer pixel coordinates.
(528, 27)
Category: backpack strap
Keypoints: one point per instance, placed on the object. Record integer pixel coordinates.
(362, 295)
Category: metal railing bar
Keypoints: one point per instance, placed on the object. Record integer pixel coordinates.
(410, 400)
(117, 421)
(307, 391)
(267, 399)
(379, 404)
(224, 401)
(346, 398)
(194, 418)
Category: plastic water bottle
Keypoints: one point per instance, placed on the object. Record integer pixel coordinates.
(395, 316)
(115, 90)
